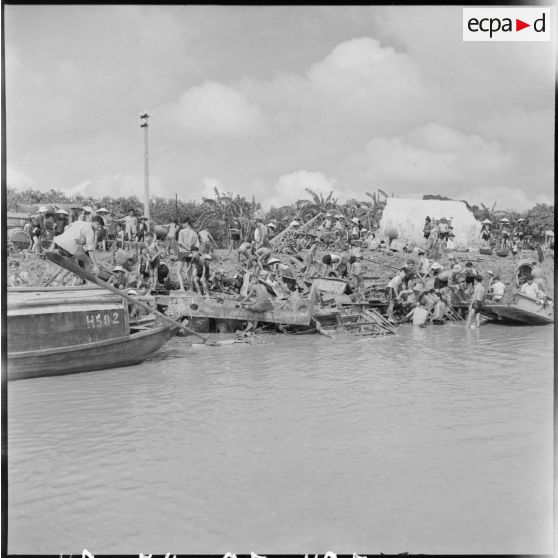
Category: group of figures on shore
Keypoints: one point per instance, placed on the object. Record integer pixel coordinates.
(49, 222)
(503, 237)
(428, 292)
(422, 290)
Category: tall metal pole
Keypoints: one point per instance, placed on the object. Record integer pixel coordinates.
(144, 117)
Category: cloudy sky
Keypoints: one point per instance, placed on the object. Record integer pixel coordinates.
(270, 100)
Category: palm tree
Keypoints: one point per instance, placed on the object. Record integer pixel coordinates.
(318, 204)
(375, 208)
(486, 213)
(218, 214)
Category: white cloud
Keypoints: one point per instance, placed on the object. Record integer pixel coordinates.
(359, 83)
(214, 110)
(409, 109)
(117, 185)
(525, 133)
(209, 184)
(433, 159)
(82, 187)
(291, 187)
(363, 78)
(506, 198)
(19, 179)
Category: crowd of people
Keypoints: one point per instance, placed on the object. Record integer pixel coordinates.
(428, 291)
(422, 290)
(503, 237)
(50, 222)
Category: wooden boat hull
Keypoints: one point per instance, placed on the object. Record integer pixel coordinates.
(223, 307)
(44, 318)
(523, 310)
(97, 355)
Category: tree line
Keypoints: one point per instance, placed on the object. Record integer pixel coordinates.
(226, 210)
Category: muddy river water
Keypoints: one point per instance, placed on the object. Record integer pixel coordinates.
(436, 440)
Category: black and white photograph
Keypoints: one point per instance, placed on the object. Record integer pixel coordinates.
(278, 279)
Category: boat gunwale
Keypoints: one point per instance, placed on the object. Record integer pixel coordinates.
(92, 345)
(60, 288)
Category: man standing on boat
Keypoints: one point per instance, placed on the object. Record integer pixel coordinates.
(78, 242)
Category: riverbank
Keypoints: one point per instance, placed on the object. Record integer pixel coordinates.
(376, 263)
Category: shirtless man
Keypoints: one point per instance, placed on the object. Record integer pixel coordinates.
(357, 271)
(200, 271)
(245, 252)
(260, 303)
(419, 313)
(207, 241)
(439, 310)
(262, 254)
(392, 291)
(424, 264)
(476, 303)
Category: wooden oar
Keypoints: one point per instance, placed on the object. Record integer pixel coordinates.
(72, 266)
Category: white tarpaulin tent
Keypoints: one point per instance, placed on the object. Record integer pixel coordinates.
(407, 217)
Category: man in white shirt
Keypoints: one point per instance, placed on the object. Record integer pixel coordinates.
(78, 241)
(131, 224)
(260, 234)
(497, 289)
(531, 289)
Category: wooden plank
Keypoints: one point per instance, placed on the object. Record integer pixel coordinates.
(35, 309)
(373, 314)
(42, 298)
(358, 324)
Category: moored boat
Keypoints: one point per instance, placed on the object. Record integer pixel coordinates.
(517, 307)
(521, 310)
(67, 330)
